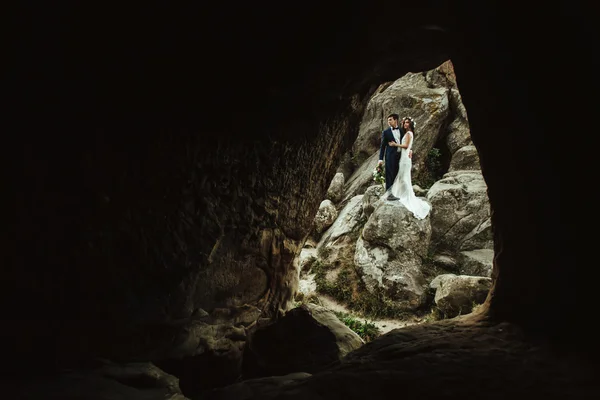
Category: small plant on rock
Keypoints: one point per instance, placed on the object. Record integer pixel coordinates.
(366, 330)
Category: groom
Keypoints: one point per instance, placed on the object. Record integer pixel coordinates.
(392, 154)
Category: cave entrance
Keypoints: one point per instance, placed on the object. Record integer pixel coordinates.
(378, 270)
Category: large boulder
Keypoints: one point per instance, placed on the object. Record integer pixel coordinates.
(458, 294)
(325, 216)
(389, 254)
(460, 213)
(306, 339)
(335, 192)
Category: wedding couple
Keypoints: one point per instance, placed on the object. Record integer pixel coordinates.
(396, 145)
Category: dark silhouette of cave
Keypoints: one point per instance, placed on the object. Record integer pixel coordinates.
(156, 153)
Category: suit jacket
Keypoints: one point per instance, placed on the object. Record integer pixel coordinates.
(391, 153)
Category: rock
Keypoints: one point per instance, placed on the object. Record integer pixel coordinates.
(326, 216)
(456, 294)
(306, 339)
(335, 192)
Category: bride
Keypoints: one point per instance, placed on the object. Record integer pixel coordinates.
(402, 188)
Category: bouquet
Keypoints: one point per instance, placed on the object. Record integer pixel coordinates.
(379, 174)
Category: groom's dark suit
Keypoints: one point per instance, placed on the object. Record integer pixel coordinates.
(392, 155)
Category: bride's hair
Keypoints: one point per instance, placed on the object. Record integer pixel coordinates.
(412, 123)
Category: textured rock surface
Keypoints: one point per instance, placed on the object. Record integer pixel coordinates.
(453, 359)
(307, 339)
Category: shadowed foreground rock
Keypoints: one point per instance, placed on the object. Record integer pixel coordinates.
(467, 357)
(106, 381)
(307, 339)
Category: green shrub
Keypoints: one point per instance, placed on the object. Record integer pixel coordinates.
(350, 290)
(366, 330)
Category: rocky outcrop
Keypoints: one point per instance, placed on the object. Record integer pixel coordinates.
(476, 262)
(389, 254)
(336, 188)
(465, 158)
(460, 212)
(458, 294)
(410, 95)
(326, 216)
(307, 339)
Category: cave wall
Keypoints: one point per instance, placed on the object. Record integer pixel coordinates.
(160, 228)
(158, 182)
(169, 169)
(523, 119)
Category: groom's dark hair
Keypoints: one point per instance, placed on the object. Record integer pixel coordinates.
(395, 116)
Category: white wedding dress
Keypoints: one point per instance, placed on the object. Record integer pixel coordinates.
(402, 187)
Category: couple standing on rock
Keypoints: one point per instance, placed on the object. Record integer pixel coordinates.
(396, 146)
